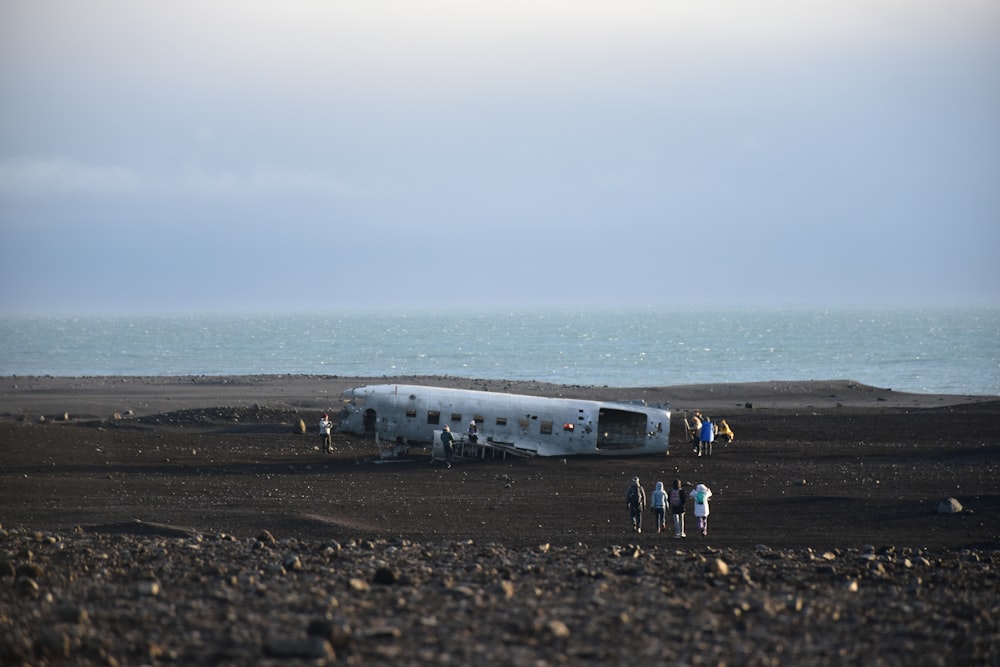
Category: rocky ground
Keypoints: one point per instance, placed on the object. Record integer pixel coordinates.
(193, 531)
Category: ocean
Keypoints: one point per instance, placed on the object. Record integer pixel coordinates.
(929, 350)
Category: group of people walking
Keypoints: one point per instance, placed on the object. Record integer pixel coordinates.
(672, 500)
(662, 501)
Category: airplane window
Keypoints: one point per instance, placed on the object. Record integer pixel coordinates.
(501, 421)
(433, 417)
(411, 413)
(455, 417)
(568, 427)
(546, 428)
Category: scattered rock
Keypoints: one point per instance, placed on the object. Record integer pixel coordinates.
(558, 629)
(474, 601)
(385, 575)
(949, 506)
(27, 586)
(718, 566)
(149, 588)
(307, 648)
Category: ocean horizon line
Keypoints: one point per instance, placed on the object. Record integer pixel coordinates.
(415, 379)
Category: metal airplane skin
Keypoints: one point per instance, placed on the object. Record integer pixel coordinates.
(400, 416)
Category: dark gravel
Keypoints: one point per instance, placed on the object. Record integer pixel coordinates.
(216, 535)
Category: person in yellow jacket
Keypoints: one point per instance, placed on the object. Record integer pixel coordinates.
(725, 433)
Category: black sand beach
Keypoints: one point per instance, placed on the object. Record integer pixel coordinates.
(182, 521)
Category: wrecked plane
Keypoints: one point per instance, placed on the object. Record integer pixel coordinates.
(403, 416)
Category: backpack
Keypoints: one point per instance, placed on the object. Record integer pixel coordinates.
(676, 500)
(700, 497)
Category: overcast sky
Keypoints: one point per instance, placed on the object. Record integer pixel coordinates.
(262, 156)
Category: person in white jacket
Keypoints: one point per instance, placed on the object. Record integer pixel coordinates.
(701, 495)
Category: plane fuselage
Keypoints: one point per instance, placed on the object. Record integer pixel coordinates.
(411, 414)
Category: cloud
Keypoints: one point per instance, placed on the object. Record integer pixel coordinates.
(26, 177)
(64, 177)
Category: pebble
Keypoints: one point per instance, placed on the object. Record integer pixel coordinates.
(93, 598)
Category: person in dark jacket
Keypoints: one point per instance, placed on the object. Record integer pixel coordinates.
(448, 441)
(635, 500)
(675, 501)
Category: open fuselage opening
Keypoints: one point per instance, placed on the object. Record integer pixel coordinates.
(620, 429)
(371, 421)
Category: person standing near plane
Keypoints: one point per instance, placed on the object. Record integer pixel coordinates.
(448, 440)
(473, 432)
(326, 433)
(635, 500)
(707, 436)
(693, 430)
(723, 432)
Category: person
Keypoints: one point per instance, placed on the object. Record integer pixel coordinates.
(675, 499)
(706, 437)
(635, 500)
(693, 430)
(473, 432)
(725, 433)
(326, 433)
(448, 440)
(658, 501)
(701, 495)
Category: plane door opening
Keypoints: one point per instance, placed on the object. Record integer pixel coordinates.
(620, 429)
(371, 418)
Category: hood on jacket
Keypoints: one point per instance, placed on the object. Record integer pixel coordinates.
(659, 486)
(701, 487)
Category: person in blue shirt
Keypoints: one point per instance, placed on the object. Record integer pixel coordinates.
(707, 436)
